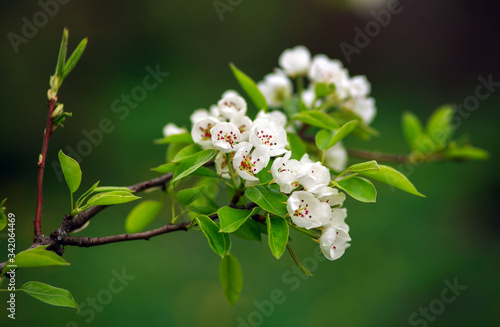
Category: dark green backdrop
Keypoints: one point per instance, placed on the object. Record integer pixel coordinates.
(403, 248)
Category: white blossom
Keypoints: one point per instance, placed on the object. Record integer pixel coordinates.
(274, 117)
(336, 157)
(358, 87)
(244, 124)
(248, 161)
(307, 211)
(364, 108)
(268, 137)
(229, 93)
(199, 114)
(295, 61)
(313, 175)
(308, 96)
(330, 195)
(328, 71)
(276, 88)
(221, 165)
(231, 105)
(333, 242)
(225, 136)
(201, 132)
(284, 172)
(173, 129)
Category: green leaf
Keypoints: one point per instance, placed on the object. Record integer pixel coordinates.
(392, 177)
(71, 171)
(188, 196)
(297, 261)
(466, 152)
(250, 88)
(61, 59)
(277, 229)
(359, 188)
(165, 168)
(268, 199)
(176, 138)
(412, 128)
(86, 194)
(364, 166)
(323, 137)
(192, 163)
(205, 172)
(249, 231)
(317, 118)
(231, 219)
(73, 59)
(101, 189)
(3, 217)
(142, 215)
(322, 89)
(187, 152)
(50, 294)
(110, 198)
(231, 278)
(297, 146)
(219, 242)
(37, 257)
(439, 125)
(345, 130)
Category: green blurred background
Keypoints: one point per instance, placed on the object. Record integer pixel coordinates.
(403, 247)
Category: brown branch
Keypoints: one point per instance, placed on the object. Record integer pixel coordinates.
(41, 167)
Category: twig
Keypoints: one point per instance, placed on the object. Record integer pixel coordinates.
(41, 167)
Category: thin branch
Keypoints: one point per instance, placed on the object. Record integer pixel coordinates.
(41, 167)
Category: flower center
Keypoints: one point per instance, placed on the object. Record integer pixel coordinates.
(302, 211)
(266, 139)
(248, 164)
(205, 132)
(229, 138)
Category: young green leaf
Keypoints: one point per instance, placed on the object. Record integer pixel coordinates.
(250, 231)
(412, 128)
(392, 177)
(268, 199)
(186, 152)
(101, 189)
(73, 59)
(110, 198)
(36, 257)
(231, 278)
(71, 171)
(322, 139)
(192, 163)
(3, 217)
(176, 138)
(166, 168)
(250, 88)
(231, 219)
(50, 294)
(61, 59)
(219, 242)
(277, 230)
(439, 125)
(297, 146)
(86, 194)
(466, 152)
(363, 166)
(142, 215)
(359, 188)
(322, 89)
(206, 172)
(343, 131)
(317, 118)
(188, 196)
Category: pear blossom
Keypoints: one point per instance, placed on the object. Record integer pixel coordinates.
(336, 157)
(328, 71)
(173, 129)
(225, 136)
(276, 88)
(201, 132)
(284, 172)
(269, 137)
(333, 242)
(199, 114)
(308, 96)
(221, 165)
(365, 108)
(330, 195)
(307, 211)
(232, 104)
(229, 93)
(358, 87)
(274, 117)
(244, 124)
(248, 161)
(313, 176)
(295, 61)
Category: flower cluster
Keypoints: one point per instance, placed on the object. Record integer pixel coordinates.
(246, 147)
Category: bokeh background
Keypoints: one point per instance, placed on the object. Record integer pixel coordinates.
(403, 247)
